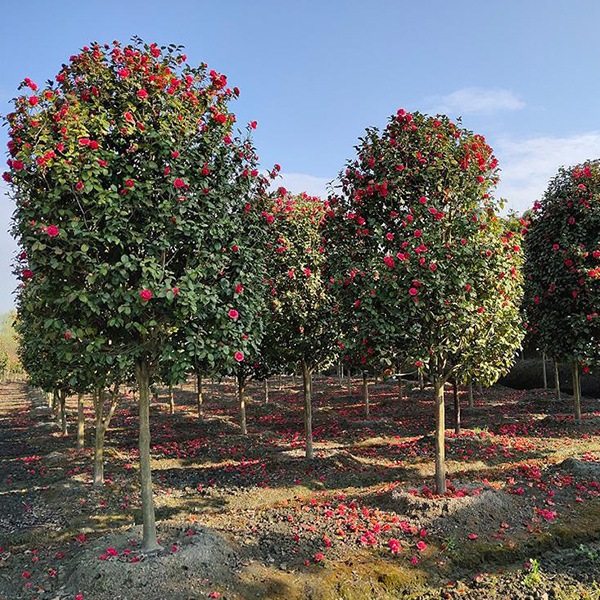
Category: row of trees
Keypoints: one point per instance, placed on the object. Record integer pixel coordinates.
(152, 247)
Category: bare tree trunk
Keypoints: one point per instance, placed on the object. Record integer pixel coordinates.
(440, 431)
(557, 380)
(544, 374)
(199, 397)
(366, 392)
(242, 402)
(400, 387)
(51, 400)
(421, 380)
(171, 400)
(62, 397)
(471, 403)
(306, 378)
(80, 423)
(149, 541)
(266, 390)
(349, 382)
(576, 393)
(456, 408)
(340, 373)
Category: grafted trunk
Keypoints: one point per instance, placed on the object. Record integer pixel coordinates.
(576, 393)
(440, 430)
(456, 408)
(80, 423)
(366, 392)
(242, 403)
(544, 374)
(471, 403)
(306, 379)
(149, 540)
(557, 380)
(102, 425)
(171, 400)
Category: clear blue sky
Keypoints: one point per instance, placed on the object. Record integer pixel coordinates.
(526, 74)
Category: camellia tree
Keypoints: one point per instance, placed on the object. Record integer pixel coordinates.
(130, 184)
(562, 270)
(301, 330)
(418, 237)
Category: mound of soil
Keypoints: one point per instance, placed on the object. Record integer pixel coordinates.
(188, 565)
(482, 510)
(581, 469)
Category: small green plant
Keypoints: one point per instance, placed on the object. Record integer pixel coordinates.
(532, 577)
(449, 544)
(586, 552)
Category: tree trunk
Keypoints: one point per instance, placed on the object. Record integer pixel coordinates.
(544, 374)
(267, 390)
(400, 388)
(349, 382)
(471, 403)
(149, 541)
(576, 393)
(80, 423)
(340, 373)
(421, 381)
(456, 408)
(102, 424)
(242, 402)
(199, 397)
(171, 400)
(306, 379)
(557, 380)
(366, 392)
(63, 412)
(440, 430)
(51, 400)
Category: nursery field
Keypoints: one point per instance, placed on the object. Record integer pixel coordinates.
(247, 517)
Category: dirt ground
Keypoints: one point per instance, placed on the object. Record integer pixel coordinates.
(248, 518)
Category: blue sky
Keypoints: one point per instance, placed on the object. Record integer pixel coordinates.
(314, 74)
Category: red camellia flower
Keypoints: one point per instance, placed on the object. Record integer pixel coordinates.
(253, 124)
(179, 183)
(238, 288)
(145, 295)
(84, 141)
(129, 183)
(27, 274)
(239, 356)
(52, 230)
(79, 185)
(175, 291)
(234, 314)
(413, 291)
(67, 335)
(142, 93)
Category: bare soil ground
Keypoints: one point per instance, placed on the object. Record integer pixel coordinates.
(249, 518)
